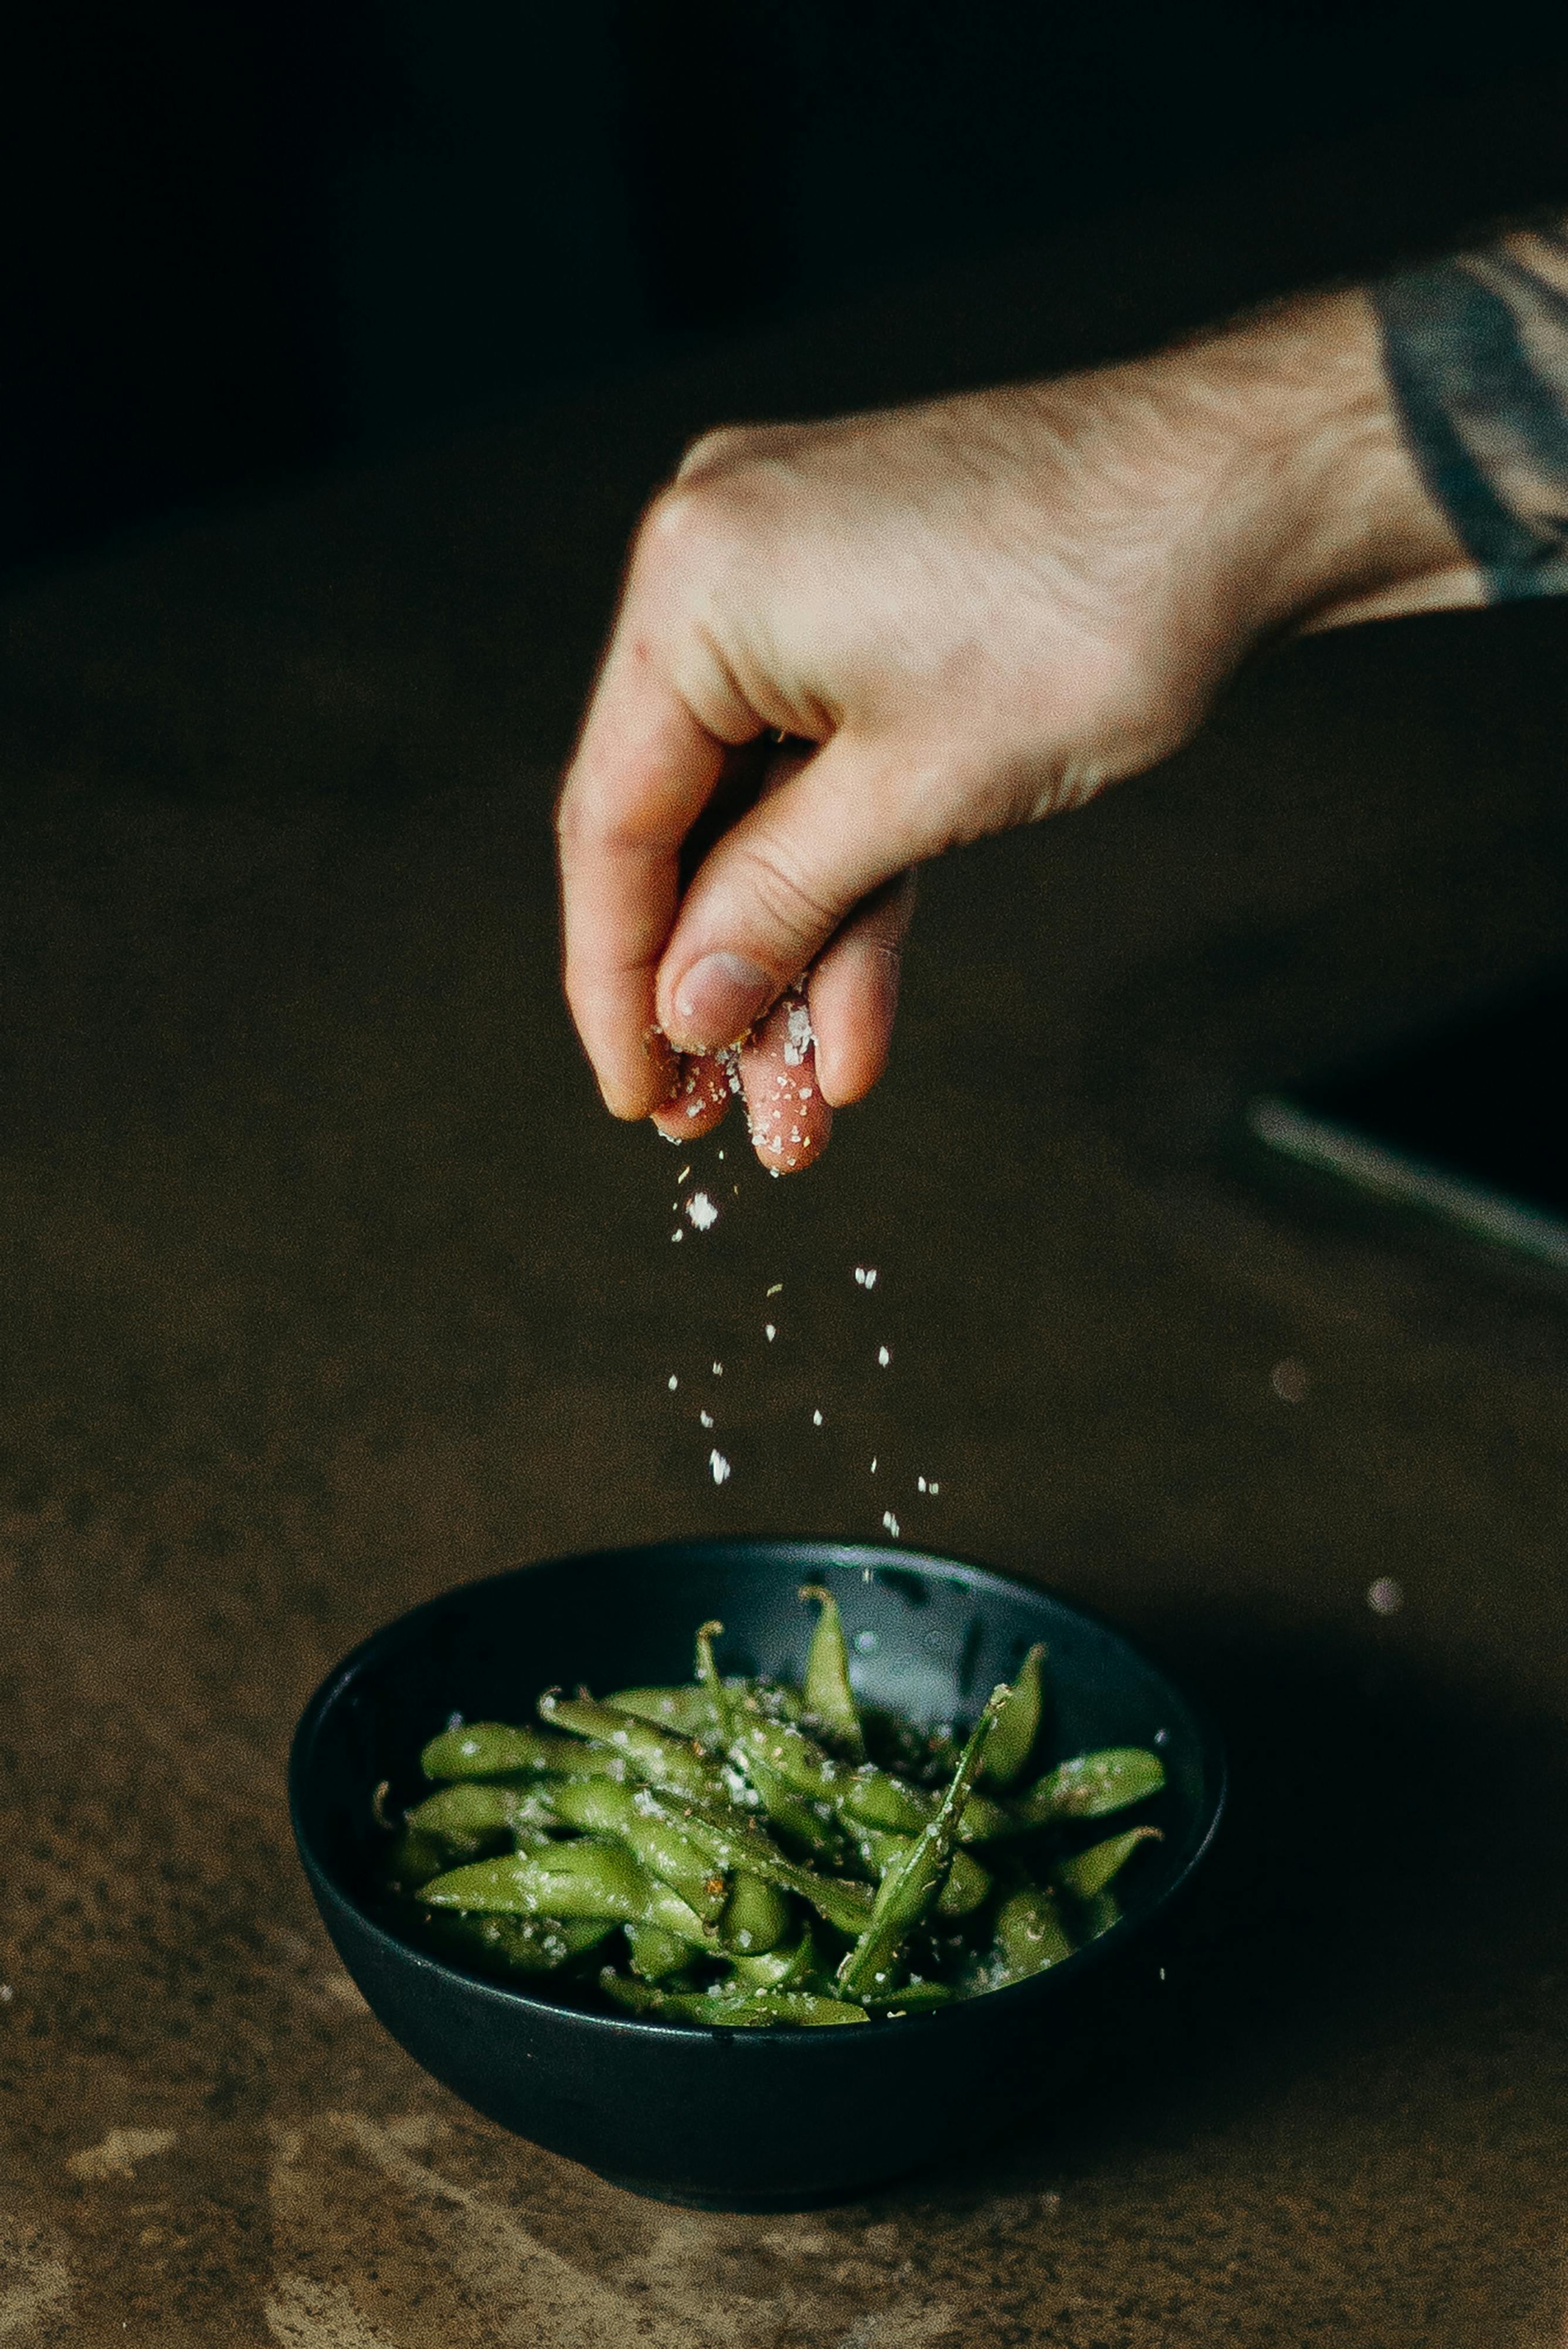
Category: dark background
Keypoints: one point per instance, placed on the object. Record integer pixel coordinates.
(251, 238)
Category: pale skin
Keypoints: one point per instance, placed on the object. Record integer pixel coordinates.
(961, 617)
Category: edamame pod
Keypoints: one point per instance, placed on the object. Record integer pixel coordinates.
(591, 1877)
(655, 1952)
(746, 1847)
(602, 1807)
(515, 1945)
(865, 1794)
(1013, 1739)
(486, 1749)
(673, 1764)
(906, 1894)
(966, 1885)
(827, 1688)
(1089, 1872)
(804, 2009)
(1030, 1935)
(787, 1967)
(1091, 1786)
(757, 1916)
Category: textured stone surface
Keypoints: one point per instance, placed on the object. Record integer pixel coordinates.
(327, 1285)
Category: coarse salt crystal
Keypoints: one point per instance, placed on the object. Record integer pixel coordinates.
(677, 1234)
(815, 1419)
(701, 1211)
(920, 1484)
(776, 1288)
(1386, 1596)
(890, 1522)
(874, 1463)
(933, 1488)
(719, 1369)
(705, 1417)
(884, 1357)
(770, 1332)
(798, 1035)
(674, 1384)
(719, 1465)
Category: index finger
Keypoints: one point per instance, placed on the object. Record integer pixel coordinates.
(645, 769)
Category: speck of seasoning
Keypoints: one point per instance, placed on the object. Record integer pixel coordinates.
(674, 1382)
(719, 1369)
(874, 1463)
(719, 1466)
(677, 1234)
(769, 1331)
(701, 1211)
(884, 1357)
(933, 1488)
(815, 1419)
(777, 1289)
(1289, 1380)
(684, 1173)
(920, 1484)
(705, 1417)
(890, 1522)
(1385, 1597)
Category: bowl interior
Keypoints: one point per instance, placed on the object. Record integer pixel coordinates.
(928, 1636)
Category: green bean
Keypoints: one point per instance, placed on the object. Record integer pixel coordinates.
(655, 1951)
(515, 1945)
(810, 1825)
(488, 1749)
(828, 1692)
(713, 1829)
(675, 1764)
(1029, 1935)
(740, 1844)
(1091, 1786)
(1013, 1740)
(911, 1889)
(967, 1883)
(865, 1795)
(788, 1966)
(719, 1697)
(601, 1806)
(1089, 1872)
(757, 2010)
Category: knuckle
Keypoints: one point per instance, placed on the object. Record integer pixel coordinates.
(715, 449)
(789, 902)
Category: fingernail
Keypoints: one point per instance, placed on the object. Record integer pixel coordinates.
(719, 998)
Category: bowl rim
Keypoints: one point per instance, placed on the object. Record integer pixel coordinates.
(759, 1548)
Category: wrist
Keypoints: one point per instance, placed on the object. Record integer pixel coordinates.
(1333, 521)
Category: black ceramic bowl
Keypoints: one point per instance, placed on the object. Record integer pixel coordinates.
(735, 2119)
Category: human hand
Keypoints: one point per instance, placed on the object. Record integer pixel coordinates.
(973, 614)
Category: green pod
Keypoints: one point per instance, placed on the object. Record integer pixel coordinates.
(1098, 1915)
(1029, 1936)
(1013, 1739)
(675, 1764)
(591, 1877)
(758, 2010)
(796, 1815)
(512, 1945)
(1088, 1873)
(604, 1806)
(744, 1846)
(906, 1894)
(1091, 1786)
(912, 1997)
(964, 1886)
(655, 1952)
(827, 1691)
(864, 1795)
(685, 1711)
(413, 1857)
(757, 1916)
(473, 1808)
(488, 1749)
(788, 1966)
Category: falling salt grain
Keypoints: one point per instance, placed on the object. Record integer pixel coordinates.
(1385, 1597)
(674, 1384)
(890, 1522)
(677, 1234)
(920, 1484)
(719, 1369)
(777, 1289)
(884, 1357)
(705, 1417)
(874, 1463)
(719, 1465)
(701, 1211)
(771, 1330)
(815, 1419)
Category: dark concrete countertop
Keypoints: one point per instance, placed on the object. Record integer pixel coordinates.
(326, 1284)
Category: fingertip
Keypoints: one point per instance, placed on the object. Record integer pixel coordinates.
(790, 1116)
(700, 1102)
(853, 996)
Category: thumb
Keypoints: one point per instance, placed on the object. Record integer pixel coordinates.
(772, 892)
